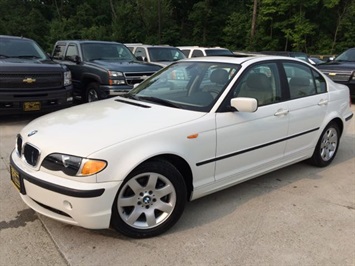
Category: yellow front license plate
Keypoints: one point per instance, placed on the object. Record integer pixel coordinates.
(15, 178)
(32, 106)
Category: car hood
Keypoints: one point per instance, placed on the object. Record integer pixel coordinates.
(127, 66)
(19, 64)
(87, 128)
(337, 65)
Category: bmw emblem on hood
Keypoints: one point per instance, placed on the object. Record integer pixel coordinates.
(32, 133)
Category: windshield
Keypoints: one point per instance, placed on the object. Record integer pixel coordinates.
(20, 48)
(187, 85)
(165, 54)
(211, 52)
(348, 55)
(106, 51)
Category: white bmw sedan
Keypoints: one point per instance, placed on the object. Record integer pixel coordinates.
(197, 126)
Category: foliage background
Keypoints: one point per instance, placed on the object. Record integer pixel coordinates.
(312, 26)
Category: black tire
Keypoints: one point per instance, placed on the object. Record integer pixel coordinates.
(92, 92)
(150, 201)
(327, 146)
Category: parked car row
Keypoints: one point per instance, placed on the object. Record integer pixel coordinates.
(86, 71)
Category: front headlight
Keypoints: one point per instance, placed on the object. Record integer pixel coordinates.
(115, 74)
(73, 165)
(116, 78)
(67, 78)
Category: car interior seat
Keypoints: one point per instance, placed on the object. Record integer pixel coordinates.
(300, 86)
(257, 86)
(219, 78)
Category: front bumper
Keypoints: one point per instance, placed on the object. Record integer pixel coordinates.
(84, 204)
(111, 91)
(35, 102)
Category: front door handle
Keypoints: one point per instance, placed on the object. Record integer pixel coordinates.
(281, 112)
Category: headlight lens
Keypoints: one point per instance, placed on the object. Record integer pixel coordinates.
(67, 78)
(73, 165)
(115, 74)
(116, 78)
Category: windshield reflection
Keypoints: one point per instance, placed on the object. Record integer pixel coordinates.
(188, 85)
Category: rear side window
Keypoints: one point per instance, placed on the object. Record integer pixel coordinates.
(197, 53)
(300, 79)
(320, 82)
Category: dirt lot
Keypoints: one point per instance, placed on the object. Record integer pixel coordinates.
(300, 215)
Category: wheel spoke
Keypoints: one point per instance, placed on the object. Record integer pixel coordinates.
(150, 218)
(152, 181)
(126, 202)
(132, 218)
(164, 191)
(164, 207)
(135, 186)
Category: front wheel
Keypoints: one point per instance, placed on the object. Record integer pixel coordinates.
(150, 200)
(93, 92)
(327, 146)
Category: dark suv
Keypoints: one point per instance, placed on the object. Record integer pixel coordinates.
(101, 69)
(342, 70)
(30, 81)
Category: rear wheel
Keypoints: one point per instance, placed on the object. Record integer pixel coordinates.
(327, 146)
(150, 201)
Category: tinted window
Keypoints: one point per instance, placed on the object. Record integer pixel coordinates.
(106, 51)
(211, 52)
(197, 53)
(22, 48)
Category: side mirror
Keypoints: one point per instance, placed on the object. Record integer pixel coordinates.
(244, 104)
(140, 58)
(77, 59)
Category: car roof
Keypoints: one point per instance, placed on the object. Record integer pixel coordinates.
(150, 45)
(239, 60)
(14, 37)
(89, 41)
(201, 47)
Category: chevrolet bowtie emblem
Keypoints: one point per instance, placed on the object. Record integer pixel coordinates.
(29, 80)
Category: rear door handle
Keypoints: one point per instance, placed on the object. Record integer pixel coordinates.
(323, 102)
(281, 112)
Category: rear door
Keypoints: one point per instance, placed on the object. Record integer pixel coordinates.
(307, 106)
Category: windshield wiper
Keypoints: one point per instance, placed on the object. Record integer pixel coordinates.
(159, 101)
(3, 56)
(130, 96)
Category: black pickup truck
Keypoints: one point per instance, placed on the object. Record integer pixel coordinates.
(101, 69)
(30, 82)
(342, 70)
